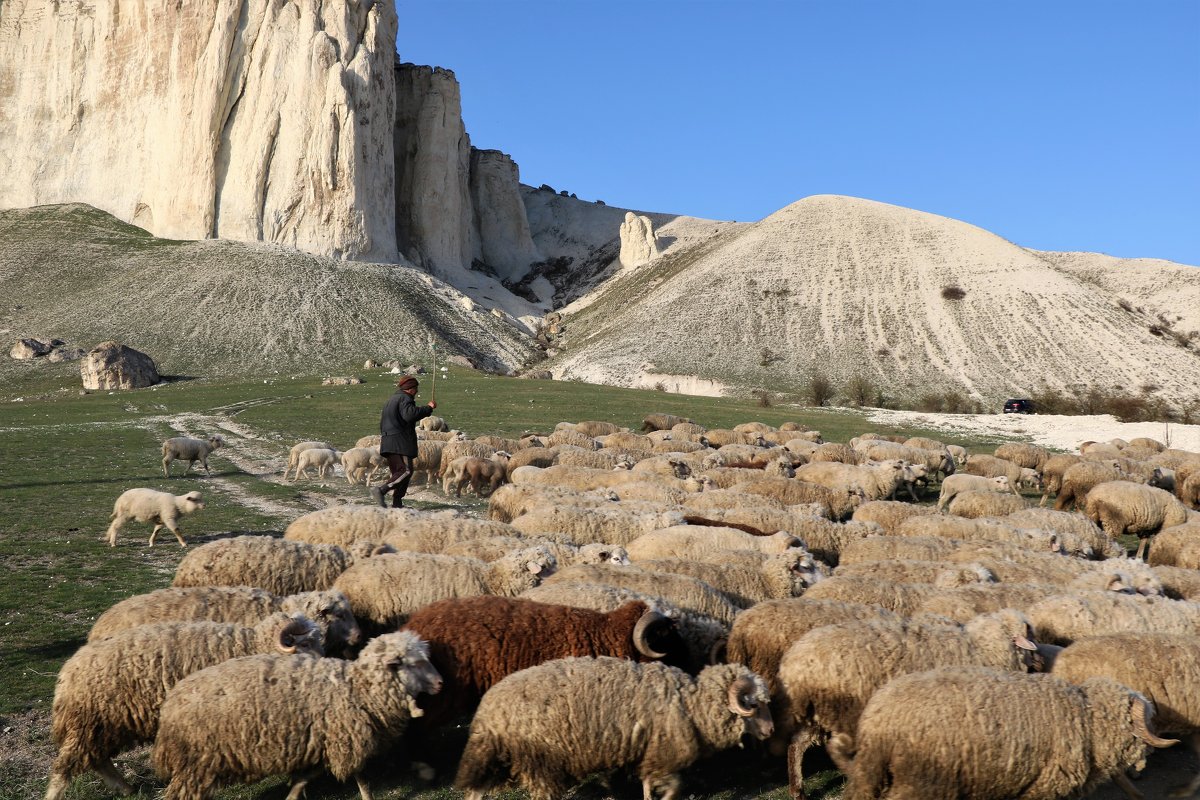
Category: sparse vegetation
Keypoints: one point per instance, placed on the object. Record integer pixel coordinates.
(861, 390)
(1125, 305)
(820, 389)
(953, 292)
(764, 398)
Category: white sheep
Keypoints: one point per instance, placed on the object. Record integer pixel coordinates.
(964, 482)
(432, 423)
(684, 541)
(150, 505)
(1065, 618)
(185, 448)
(107, 695)
(690, 594)
(973, 505)
(345, 524)
(297, 449)
(1121, 507)
(786, 574)
(247, 719)
(361, 463)
(319, 458)
(585, 525)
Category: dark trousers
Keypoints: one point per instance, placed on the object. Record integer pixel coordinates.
(401, 468)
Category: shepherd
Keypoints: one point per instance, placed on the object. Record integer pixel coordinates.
(398, 440)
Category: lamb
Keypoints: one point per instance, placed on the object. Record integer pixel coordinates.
(234, 604)
(1121, 508)
(690, 594)
(297, 449)
(432, 423)
(280, 566)
(973, 505)
(484, 475)
(318, 458)
(493, 548)
(958, 453)
(830, 673)
(384, 590)
(185, 448)
(250, 718)
(1023, 454)
(663, 422)
(936, 573)
(606, 713)
(965, 482)
(474, 642)
(585, 525)
(107, 695)
(150, 505)
(1052, 474)
(1176, 546)
(1064, 618)
(786, 574)
(992, 467)
(902, 598)
(1159, 666)
(453, 450)
(361, 463)
(684, 541)
(888, 514)
(1079, 479)
(989, 735)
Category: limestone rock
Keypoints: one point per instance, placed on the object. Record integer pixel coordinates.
(638, 244)
(111, 365)
(60, 354)
(25, 349)
(342, 381)
(249, 121)
(461, 361)
(505, 243)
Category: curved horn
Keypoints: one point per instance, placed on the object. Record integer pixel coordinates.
(716, 653)
(649, 622)
(290, 633)
(1141, 728)
(742, 686)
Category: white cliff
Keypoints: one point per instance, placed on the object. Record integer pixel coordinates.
(638, 243)
(499, 213)
(250, 119)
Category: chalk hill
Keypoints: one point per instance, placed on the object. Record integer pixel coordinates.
(913, 301)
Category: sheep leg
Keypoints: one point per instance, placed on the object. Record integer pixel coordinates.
(154, 532)
(364, 790)
(114, 528)
(1190, 788)
(113, 779)
(801, 741)
(301, 780)
(171, 527)
(204, 463)
(670, 786)
(1141, 547)
(166, 464)
(1126, 786)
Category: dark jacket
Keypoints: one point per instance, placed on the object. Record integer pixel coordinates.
(397, 424)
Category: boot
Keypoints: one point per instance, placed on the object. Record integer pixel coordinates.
(377, 496)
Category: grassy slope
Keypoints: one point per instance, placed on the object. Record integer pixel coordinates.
(64, 458)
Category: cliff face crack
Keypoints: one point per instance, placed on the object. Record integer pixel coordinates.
(235, 75)
(264, 180)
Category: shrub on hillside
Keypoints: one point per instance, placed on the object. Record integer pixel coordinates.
(953, 292)
(820, 389)
(861, 390)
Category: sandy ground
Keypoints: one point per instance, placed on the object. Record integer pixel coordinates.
(1049, 430)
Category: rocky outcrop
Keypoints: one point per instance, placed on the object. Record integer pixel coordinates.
(638, 244)
(499, 215)
(26, 349)
(250, 121)
(111, 365)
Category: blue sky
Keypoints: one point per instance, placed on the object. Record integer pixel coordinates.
(1057, 125)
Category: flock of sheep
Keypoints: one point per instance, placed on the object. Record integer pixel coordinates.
(641, 600)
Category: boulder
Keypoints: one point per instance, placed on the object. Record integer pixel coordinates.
(111, 365)
(638, 243)
(342, 380)
(25, 349)
(59, 354)
(461, 361)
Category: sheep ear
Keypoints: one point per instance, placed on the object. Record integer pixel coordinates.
(1024, 643)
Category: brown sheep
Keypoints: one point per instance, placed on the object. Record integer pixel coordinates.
(484, 475)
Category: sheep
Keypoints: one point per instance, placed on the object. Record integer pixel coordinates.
(677, 446)
(690, 594)
(1159, 666)
(1147, 443)
(874, 482)
(474, 642)
(373, 440)
(786, 574)
(428, 460)
(965, 482)
(440, 436)
(1189, 491)
(826, 540)
(718, 437)
(728, 499)
(663, 422)
(973, 505)
(840, 500)
(347, 524)
(583, 525)
(297, 449)
(432, 423)
(663, 466)
(185, 448)
(668, 491)
(250, 718)
(802, 448)
(958, 453)
(596, 428)
(453, 450)
(835, 451)
(530, 457)
(500, 443)
(1176, 546)
(384, 590)
(493, 548)
(689, 431)
(568, 456)
(513, 500)
(888, 514)
(1121, 508)
(964, 603)
(318, 458)
(936, 573)
(1023, 454)
(1052, 474)
(933, 460)
(992, 467)
(731, 477)
(604, 713)
(626, 440)
(830, 673)
(1064, 618)
(107, 695)
(1079, 479)
(1071, 525)
(235, 604)
(484, 475)
(903, 598)
(572, 438)
(740, 455)
(989, 735)
(280, 566)
(703, 636)
(684, 541)
(361, 464)
(150, 505)
(580, 479)
(1178, 583)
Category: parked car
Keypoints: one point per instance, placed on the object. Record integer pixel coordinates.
(1018, 406)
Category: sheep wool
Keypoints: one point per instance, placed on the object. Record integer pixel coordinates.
(1062, 619)
(903, 598)
(686, 541)
(605, 713)
(686, 592)
(107, 695)
(786, 574)
(989, 735)
(184, 448)
(1121, 507)
(345, 525)
(150, 505)
(247, 719)
(888, 514)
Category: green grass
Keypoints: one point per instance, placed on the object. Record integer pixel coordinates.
(64, 458)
